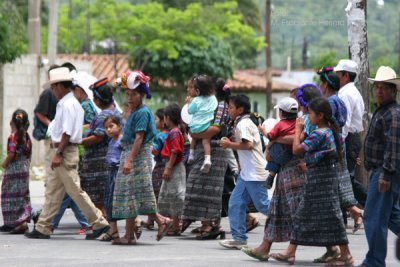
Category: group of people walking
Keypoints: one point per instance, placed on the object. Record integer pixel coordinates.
(102, 162)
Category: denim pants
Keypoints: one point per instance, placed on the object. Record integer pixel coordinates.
(242, 195)
(67, 201)
(381, 212)
(280, 155)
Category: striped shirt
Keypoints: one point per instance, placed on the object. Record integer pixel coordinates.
(382, 143)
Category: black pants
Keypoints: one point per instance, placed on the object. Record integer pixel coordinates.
(353, 148)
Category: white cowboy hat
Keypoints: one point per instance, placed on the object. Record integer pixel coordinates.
(346, 65)
(387, 75)
(57, 75)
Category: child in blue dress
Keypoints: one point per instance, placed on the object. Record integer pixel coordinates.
(202, 104)
(113, 128)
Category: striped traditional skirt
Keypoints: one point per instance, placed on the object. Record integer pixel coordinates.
(346, 194)
(203, 199)
(94, 173)
(133, 193)
(285, 200)
(15, 198)
(172, 193)
(156, 175)
(318, 221)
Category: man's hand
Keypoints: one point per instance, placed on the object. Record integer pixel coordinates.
(127, 166)
(56, 161)
(224, 142)
(167, 174)
(383, 185)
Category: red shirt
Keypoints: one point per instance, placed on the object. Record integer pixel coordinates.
(174, 144)
(283, 128)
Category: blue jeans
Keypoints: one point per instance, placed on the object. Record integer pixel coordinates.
(244, 193)
(381, 212)
(80, 217)
(280, 155)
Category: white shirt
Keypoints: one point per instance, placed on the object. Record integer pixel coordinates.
(355, 108)
(68, 119)
(252, 162)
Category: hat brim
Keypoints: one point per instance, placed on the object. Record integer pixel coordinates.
(392, 81)
(49, 83)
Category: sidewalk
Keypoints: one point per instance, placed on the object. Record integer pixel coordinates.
(66, 248)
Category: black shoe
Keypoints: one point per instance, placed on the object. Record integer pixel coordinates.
(270, 181)
(35, 217)
(6, 228)
(97, 233)
(36, 235)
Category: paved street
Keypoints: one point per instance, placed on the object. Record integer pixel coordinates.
(67, 248)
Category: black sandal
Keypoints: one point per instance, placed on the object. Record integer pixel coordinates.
(185, 225)
(109, 237)
(213, 233)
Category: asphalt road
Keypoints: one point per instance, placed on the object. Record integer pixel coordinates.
(67, 248)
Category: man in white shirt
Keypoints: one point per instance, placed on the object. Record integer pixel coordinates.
(346, 70)
(66, 133)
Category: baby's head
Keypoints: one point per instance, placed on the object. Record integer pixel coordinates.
(288, 108)
(203, 84)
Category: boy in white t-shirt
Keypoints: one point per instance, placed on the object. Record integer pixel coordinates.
(250, 183)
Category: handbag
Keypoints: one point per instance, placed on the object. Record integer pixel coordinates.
(39, 129)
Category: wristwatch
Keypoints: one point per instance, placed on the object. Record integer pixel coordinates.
(59, 152)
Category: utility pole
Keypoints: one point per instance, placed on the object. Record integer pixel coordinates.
(356, 11)
(34, 27)
(268, 14)
(53, 32)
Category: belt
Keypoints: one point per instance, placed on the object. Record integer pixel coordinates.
(55, 145)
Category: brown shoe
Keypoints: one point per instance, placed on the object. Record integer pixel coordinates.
(20, 229)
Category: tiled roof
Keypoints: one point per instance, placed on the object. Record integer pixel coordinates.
(112, 66)
(255, 80)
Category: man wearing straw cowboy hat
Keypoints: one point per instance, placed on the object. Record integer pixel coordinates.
(66, 133)
(382, 158)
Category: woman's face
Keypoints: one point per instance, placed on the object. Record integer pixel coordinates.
(193, 92)
(134, 98)
(159, 123)
(324, 87)
(79, 94)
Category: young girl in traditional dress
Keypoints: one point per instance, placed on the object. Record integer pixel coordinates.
(158, 169)
(173, 188)
(113, 128)
(318, 221)
(15, 198)
(133, 193)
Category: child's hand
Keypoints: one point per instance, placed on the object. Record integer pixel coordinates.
(188, 100)
(4, 165)
(167, 174)
(358, 161)
(224, 142)
(299, 125)
(262, 130)
(302, 167)
(127, 166)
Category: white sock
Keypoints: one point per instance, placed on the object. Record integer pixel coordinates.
(207, 158)
(191, 156)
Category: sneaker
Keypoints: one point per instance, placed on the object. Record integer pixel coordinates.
(232, 244)
(96, 233)
(35, 234)
(84, 230)
(205, 168)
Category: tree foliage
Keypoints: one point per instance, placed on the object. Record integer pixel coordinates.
(13, 39)
(166, 42)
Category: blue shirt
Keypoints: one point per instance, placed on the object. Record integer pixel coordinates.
(141, 120)
(114, 153)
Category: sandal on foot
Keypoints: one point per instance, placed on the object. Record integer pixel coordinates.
(163, 228)
(211, 233)
(251, 253)
(328, 257)
(109, 237)
(124, 241)
(185, 225)
(196, 230)
(357, 223)
(173, 232)
(252, 224)
(283, 258)
(341, 262)
(138, 230)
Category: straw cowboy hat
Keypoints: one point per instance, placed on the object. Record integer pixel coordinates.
(57, 75)
(387, 75)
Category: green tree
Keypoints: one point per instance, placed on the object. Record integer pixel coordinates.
(13, 39)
